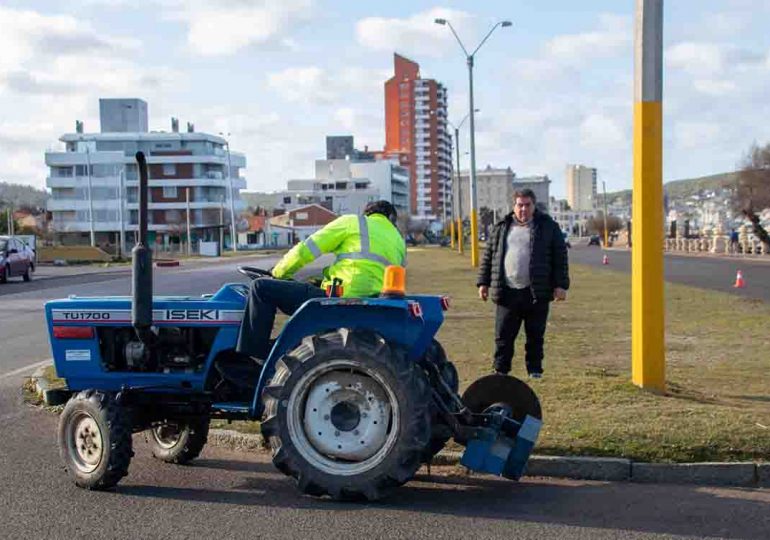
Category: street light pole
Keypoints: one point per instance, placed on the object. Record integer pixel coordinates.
(473, 202)
(606, 231)
(121, 182)
(232, 197)
(459, 213)
(90, 197)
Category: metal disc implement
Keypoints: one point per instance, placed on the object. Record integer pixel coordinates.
(501, 389)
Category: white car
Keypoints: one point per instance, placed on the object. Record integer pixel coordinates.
(16, 259)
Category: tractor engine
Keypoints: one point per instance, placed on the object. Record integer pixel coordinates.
(177, 349)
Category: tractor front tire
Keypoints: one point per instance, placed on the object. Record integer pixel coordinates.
(347, 415)
(178, 442)
(95, 440)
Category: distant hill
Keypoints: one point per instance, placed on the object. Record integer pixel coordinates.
(682, 189)
(21, 195)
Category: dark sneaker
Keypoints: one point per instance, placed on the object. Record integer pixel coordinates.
(535, 375)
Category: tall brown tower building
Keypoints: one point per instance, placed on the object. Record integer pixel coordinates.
(416, 132)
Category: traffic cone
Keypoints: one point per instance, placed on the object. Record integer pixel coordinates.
(739, 282)
(605, 260)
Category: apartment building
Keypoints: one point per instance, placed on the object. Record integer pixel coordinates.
(540, 186)
(416, 135)
(494, 190)
(94, 181)
(581, 187)
(345, 183)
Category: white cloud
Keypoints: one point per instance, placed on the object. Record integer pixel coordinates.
(224, 27)
(418, 34)
(564, 55)
(613, 37)
(695, 58)
(602, 133)
(346, 118)
(714, 87)
(312, 85)
(695, 134)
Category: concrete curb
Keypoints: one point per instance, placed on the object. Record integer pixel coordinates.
(712, 474)
(580, 468)
(763, 475)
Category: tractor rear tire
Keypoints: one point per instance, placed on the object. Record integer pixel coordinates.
(347, 415)
(441, 432)
(95, 440)
(179, 442)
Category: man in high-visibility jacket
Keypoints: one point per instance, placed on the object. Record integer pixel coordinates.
(364, 246)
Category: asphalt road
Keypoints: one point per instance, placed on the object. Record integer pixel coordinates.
(714, 273)
(233, 495)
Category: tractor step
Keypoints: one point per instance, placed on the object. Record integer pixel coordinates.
(231, 408)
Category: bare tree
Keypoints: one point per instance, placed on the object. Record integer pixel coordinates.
(752, 192)
(595, 225)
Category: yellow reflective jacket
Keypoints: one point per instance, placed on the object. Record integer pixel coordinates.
(364, 246)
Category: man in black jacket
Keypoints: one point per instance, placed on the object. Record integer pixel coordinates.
(524, 267)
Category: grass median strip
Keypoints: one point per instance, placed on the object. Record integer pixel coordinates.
(717, 407)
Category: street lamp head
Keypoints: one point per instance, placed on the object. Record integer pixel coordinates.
(505, 24)
(440, 21)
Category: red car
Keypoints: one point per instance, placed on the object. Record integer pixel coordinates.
(16, 259)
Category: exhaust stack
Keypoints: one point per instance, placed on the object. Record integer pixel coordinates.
(141, 256)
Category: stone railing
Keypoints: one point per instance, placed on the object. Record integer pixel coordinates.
(716, 243)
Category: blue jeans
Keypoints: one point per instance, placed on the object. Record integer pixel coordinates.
(265, 296)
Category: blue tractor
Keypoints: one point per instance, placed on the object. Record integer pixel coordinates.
(355, 395)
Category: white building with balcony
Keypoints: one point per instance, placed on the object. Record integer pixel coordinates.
(94, 181)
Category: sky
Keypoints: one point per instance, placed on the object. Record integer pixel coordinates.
(279, 75)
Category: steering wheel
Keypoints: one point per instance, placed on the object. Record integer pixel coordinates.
(252, 272)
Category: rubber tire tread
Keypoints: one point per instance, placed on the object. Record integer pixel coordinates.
(190, 445)
(115, 426)
(403, 460)
(441, 432)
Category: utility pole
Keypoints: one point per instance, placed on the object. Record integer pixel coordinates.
(232, 196)
(187, 216)
(11, 224)
(606, 231)
(90, 197)
(121, 194)
(459, 194)
(221, 226)
(648, 358)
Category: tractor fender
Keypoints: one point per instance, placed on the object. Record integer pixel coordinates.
(391, 318)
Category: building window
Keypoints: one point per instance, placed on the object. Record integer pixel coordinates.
(169, 192)
(169, 169)
(287, 200)
(301, 216)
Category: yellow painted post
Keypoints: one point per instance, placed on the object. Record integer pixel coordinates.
(460, 235)
(451, 234)
(647, 307)
(474, 239)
